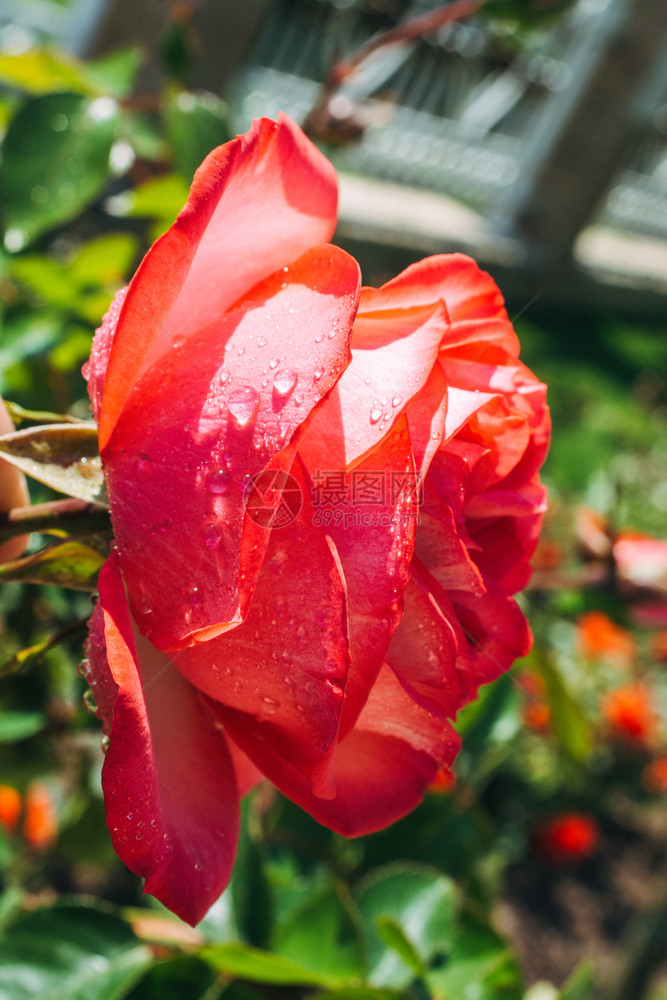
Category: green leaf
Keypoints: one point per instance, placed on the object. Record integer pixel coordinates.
(480, 965)
(115, 73)
(322, 935)
(55, 162)
(158, 198)
(45, 70)
(569, 721)
(70, 952)
(195, 124)
(421, 903)
(30, 656)
(63, 456)
(74, 564)
(18, 413)
(579, 985)
(15, 726)
(393, 935)
(251, 898)
(245, 962)
(175, 979)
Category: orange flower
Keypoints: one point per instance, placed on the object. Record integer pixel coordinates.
(654, 775)
(10, 807)
(568, 837)
(536, 711)
(599, 636)
(40, 826)
(659, 645)
(629, 712)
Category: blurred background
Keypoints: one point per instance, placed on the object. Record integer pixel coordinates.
(531, 134)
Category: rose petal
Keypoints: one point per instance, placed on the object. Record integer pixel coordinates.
(468, 292)
(281, 675)
(256, 204)
(423, 654)
(169, 783)
(383, 767)
(373, 532)
(392, 356)
(204, 421)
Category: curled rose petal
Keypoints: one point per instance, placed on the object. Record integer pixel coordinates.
(169, 782)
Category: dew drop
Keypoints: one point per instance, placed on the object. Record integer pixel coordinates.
(243, 405)
(274, 362)
(375, 414)
(270, 705)
(218, 481)
(368, 380)
(223, 375)
(319, 338)
(396, 401)
(299, 398)
(262, 341)
(284, 381)
(211, 534)
(318, 373)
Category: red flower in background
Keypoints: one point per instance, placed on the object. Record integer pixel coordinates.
(654, 775)
(630, 714)
(329, 654)
(568, 838)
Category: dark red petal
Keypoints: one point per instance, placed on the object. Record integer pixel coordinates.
(423, 654)
(169, 782)
(382, 768)
(281, 675)
(371, 520)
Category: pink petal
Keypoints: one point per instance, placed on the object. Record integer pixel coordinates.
(468, 292)
(392, 356)
(169, 783)
(256, 204)
(200, 424)
(382, 768)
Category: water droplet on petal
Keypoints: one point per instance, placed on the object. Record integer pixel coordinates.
(375, 415)
(223, 375)
(274, 362)
(318, 373)
(396, 401)
(243, 404)
(218, 481)
(319, 338)
(299, 398)
(284, 381)
(270, 705)
(262, 341)
(368, 380)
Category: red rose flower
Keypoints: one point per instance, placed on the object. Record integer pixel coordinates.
(568, 838)
(319, 528)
